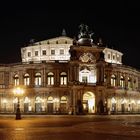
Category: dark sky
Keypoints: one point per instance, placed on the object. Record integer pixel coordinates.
(117, 23)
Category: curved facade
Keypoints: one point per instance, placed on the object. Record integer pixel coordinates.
(63, 76)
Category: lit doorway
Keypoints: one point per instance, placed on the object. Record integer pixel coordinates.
(38, 106)
(89, 102)
(50, 105)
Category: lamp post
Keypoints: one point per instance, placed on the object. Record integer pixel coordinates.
(18, 92)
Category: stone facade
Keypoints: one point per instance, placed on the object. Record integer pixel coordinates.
(66, 76)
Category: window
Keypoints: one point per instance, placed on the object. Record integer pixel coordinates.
(37, 79)
(129, 82)
(113, 57)
(16, 80)
(84, 79)
(118, 58)
(36, 53)
(29, 54)
(43, 52)
(50, 77)
(113, 80)
(61, 51)
(53, 52)
(63, 78)
(109, 56)
(122, 81)
(26, 79)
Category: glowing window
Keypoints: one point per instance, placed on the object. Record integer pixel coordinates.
(26, 79)
(16, 80)
(37, 79)
(38, 100)
(122, 81)
(84, 79)
(26, 100)
(113, 80)
(63, 78)
(50, 98)
(63, 99)
(50, 77)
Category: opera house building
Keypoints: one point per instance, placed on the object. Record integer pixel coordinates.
(63, 75)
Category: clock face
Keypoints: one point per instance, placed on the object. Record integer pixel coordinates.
(87, 57)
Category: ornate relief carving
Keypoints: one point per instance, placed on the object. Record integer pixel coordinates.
(87, 57)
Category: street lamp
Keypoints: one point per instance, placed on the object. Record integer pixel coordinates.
(18, 92)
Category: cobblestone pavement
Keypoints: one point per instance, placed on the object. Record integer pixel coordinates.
(46, 127)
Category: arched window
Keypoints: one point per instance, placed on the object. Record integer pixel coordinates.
(50, 99)
(113, 80)
(38, 99)
(37, 79)
(27, 106)
(129, 82)
(122, 81)
(26, 100)
(26, 79)
(16, 80)
(50, 78)
(63, 99)
(38, 104)
(63, 78)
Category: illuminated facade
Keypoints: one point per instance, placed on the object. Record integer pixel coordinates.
(67, 76)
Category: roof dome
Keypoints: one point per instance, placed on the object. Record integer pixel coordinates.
(84, 42)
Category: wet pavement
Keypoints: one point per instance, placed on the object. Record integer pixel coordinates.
(47, 127)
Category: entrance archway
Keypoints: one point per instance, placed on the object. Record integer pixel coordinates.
(50, 105)
(89, 102)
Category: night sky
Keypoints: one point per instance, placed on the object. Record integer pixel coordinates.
(117, 23)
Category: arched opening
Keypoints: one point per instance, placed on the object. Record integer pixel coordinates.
(27, 106)
(15, 101)
(50, 105)
(123, 105)
(63, 105)
(38, 107)
(89, 102)
(113, 106)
